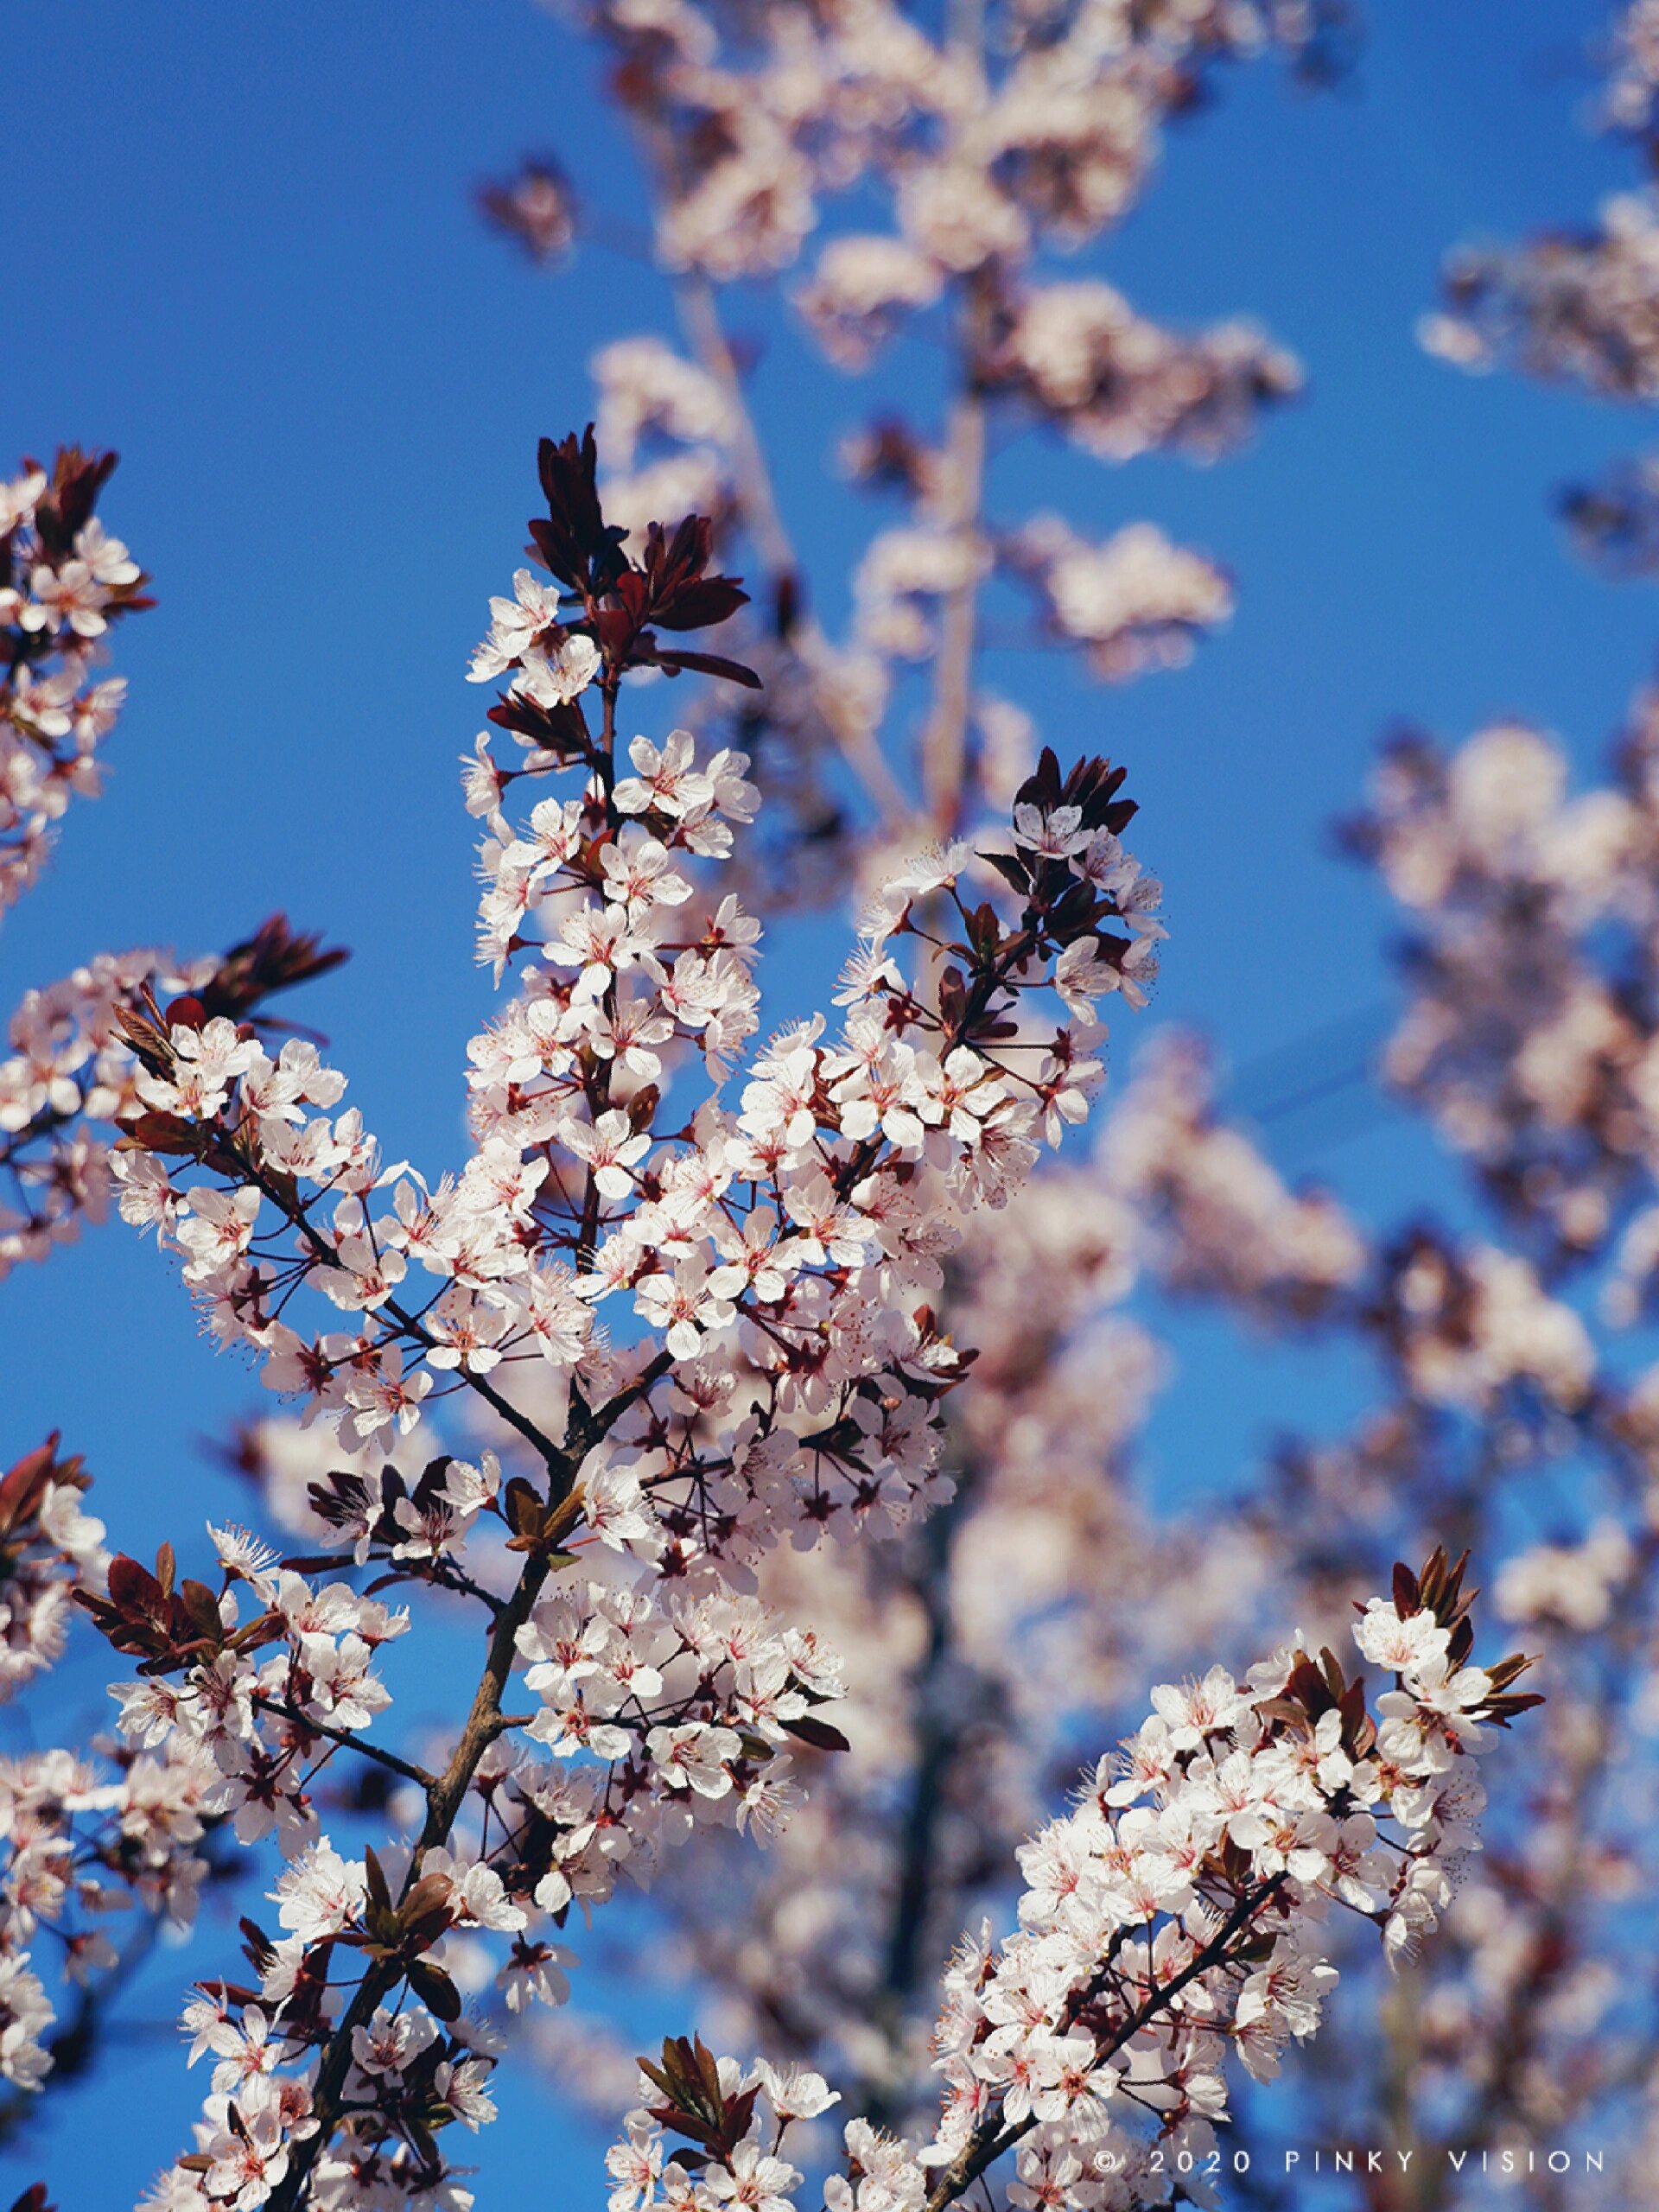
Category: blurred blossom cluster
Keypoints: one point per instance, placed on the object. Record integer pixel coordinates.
(908, 184)
(1579, 306)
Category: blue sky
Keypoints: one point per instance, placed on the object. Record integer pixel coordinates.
(242, 250)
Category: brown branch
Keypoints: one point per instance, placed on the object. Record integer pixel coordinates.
(938, 1743)
(599, 1096)
(345, 1738)
(445, 1794)
(945, 738)
(700, 318)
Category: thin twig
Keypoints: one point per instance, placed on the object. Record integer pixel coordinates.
(346, 1740)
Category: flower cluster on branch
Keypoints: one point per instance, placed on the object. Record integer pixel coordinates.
(1177, 1913)
(64, 583)
(777, 1371)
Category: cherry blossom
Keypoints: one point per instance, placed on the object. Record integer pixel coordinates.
(64, 583)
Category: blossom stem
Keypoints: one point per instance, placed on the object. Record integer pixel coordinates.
(345, 1738)
(445, 1794)
(700, 318)
(944, 739)
(545, 1450)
